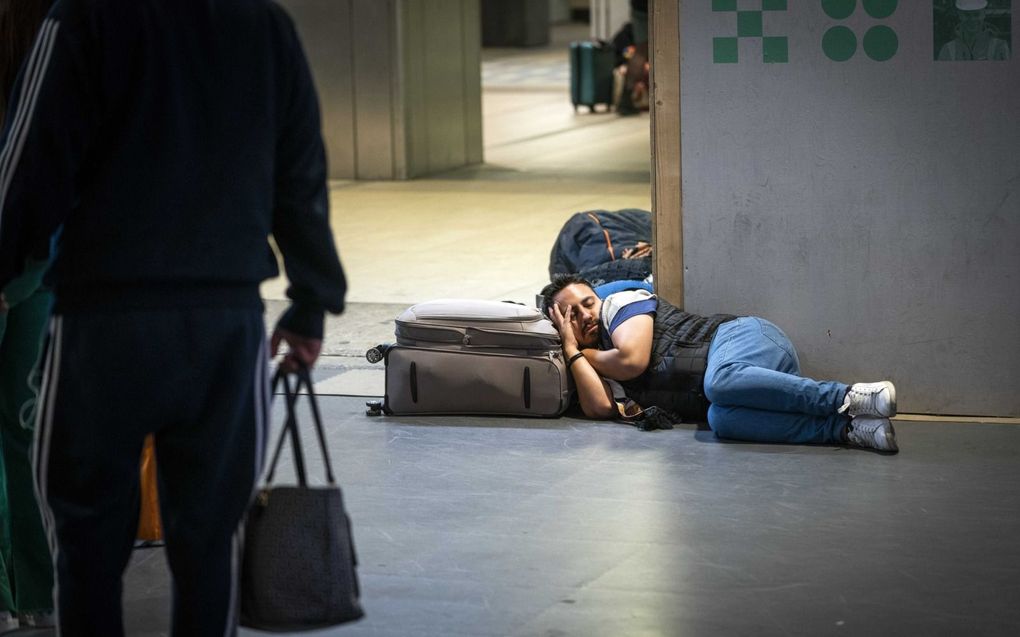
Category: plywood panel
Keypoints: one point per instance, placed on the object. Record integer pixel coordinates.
(667, 199)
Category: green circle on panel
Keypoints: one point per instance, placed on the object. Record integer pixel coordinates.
(880, 43)
(839, 9)
(879, 9)
(839, 43)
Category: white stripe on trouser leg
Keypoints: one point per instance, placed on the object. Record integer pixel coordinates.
(229, 627)
(43, 429)
(260, 392)
(262, 402)
(21, 125)
(44, 419)
(261, 406)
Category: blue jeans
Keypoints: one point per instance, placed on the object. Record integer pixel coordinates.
(757, 393)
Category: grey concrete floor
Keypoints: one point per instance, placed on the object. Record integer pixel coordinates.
(473, 526)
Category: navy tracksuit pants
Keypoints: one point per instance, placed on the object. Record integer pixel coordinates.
(197, 379)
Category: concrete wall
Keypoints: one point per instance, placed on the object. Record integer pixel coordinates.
(559, 11)
(399, 83)
(607, 17)
(522, 23)
(840, 181)
(442, 84)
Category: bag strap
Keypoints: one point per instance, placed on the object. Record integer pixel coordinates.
(290, 426)
(304, 374)
(605, 233)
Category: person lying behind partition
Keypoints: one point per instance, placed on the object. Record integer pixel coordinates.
(635, 349)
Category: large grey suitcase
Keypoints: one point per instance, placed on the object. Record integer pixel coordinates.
(459, 356)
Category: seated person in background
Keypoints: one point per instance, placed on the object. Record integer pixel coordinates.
(635, 83)
(634, 346)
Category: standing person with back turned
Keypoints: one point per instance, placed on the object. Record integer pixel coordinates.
(26, 572)
(168, 139)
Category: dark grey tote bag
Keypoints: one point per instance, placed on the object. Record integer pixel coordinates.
(299, 563)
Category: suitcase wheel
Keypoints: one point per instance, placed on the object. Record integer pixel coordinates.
(374, 408)
(377, 353)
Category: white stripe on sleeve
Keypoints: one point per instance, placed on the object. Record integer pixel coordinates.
(35, 72)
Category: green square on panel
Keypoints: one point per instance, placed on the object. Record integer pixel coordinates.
(773, 5)
(724, 50)
(749, 24)
(724, 5)
(775, 50)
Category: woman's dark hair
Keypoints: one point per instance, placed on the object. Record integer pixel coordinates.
(19, 22)
(559, 282)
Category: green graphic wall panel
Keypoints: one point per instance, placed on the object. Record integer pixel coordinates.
(750, 24)
(839, 42)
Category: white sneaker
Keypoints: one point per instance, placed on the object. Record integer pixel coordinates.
(39, 619)
(872, 433)
(8, 622)
(870, 399)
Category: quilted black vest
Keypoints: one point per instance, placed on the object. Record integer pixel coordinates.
(674, 379)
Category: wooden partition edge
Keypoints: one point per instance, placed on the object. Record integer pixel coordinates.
(667, 192)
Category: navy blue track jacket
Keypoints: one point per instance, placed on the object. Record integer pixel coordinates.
(169, 139)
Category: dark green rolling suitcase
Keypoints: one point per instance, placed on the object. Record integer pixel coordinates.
(591, 74)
